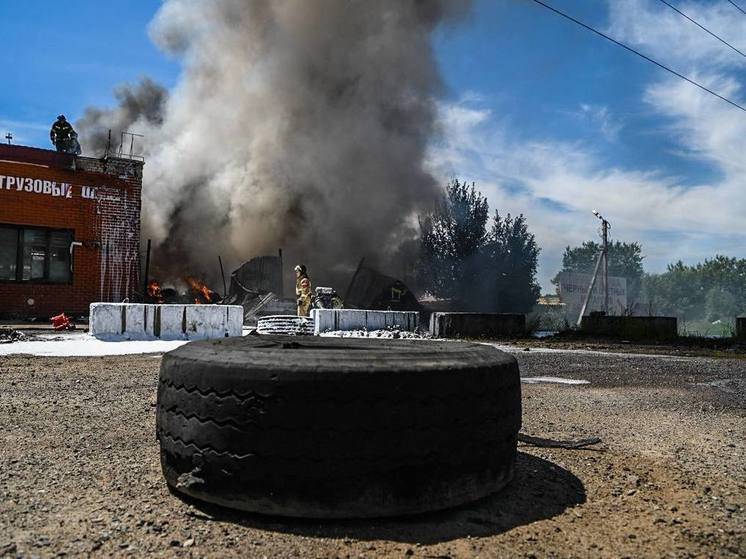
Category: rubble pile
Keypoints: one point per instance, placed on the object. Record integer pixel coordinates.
(257, 286)
(8, 336)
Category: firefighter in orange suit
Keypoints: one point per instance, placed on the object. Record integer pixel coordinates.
(302, 290)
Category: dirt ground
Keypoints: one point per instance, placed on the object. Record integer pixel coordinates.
(80, 475)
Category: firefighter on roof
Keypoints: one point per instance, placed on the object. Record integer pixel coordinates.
(64, 137)
(302, 290)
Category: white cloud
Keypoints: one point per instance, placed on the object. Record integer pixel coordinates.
(4, 123)
(601, 117)
(671, 39)
(556, 183)
(23, 132)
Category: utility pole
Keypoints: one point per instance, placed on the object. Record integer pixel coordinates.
(605, 226)
(603, 255)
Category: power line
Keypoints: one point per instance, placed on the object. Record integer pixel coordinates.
(702, 27)
(738, 7)
(638, 53)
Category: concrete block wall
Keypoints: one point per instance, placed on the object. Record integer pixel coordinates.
(136, 321)
(476, 325)
(741, 327)
(331, 320)
(631, 327)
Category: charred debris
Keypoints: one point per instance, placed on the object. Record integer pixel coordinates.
(258, 286)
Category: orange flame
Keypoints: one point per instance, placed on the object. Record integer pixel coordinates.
(200, 288)
(154, 291)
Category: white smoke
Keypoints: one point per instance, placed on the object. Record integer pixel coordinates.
(300, 124)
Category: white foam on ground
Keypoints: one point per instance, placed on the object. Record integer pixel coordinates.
(520, 349)
(84, 345)
(387, 334)
(552, 380)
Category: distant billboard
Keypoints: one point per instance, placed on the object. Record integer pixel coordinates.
(574, 285)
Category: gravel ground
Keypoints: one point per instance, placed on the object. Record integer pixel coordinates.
(80, 476)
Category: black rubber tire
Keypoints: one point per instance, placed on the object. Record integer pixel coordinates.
(337, 428)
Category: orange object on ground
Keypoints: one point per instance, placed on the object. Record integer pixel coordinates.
(62, 322)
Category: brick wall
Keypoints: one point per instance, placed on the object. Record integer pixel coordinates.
(99, 200)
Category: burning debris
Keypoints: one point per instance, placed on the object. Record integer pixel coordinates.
(154, 292)
(203, 295)
(194, 291)
(257, 285)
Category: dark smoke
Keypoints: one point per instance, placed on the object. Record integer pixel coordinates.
(300, 124)
(139, 105)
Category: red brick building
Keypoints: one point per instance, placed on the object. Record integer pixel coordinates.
(69, 231)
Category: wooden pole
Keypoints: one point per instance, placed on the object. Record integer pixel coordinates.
(282, 276)
(145, 297)
(222, 273)
(606, 266)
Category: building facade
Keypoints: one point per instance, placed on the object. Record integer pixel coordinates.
(69, 231)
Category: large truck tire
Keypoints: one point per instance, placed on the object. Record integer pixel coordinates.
(337, 428)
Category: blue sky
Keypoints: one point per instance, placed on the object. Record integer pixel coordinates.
(549, 120)
(60, 57)
(549, 77)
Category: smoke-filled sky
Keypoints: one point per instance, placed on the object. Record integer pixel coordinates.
(548, 119)
(301, 124)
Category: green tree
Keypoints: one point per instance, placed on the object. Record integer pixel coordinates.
(713, 289)
(510, 261)
(719, 303)
(625, 260)
(452, 237)
(677, 292)
(483, 270)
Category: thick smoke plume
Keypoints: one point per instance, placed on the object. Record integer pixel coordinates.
(300, 124)
(141, 105)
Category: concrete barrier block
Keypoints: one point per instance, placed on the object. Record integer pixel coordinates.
(476, 325)
(106, 319)
(169, 321)
(332, 320)
(213, 321)
(135, 321)
(136, 317)
(631, 327)
(741, 327)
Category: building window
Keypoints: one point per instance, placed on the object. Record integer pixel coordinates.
(33, 254)
(8, 253)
